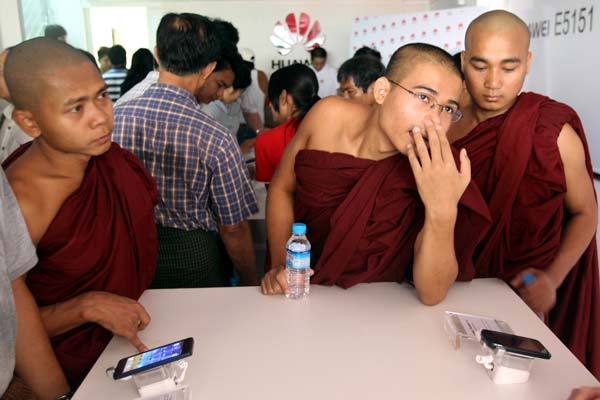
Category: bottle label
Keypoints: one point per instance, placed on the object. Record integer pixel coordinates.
(298, 260)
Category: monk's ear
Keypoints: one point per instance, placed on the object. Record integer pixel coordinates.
(381, 88)
(462, 62)
(529, 57)
(27, 122)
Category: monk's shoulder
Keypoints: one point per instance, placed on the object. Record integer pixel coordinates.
(332, 116)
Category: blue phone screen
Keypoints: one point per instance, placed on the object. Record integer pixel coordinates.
(153, 356)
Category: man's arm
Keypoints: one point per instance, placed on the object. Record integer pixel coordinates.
(36, 362)
(263, 82)
(120, 315)
(440, 186)
(253, 120)
(238, 242)
(582, 220)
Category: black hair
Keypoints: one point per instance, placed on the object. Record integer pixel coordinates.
(318, 52)
(186, 43)
(103, 51)
(227, 31)
(142, 63)
(363, 70)
(368, 52)
(54, 31)
(300, 82)
(118, 56)
(242, 79)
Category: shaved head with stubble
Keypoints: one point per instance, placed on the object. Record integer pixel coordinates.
(496, 61)
(31, 66)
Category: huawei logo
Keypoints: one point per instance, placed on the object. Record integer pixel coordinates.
(286, 36)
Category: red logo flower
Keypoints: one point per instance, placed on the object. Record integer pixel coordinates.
(286, 36)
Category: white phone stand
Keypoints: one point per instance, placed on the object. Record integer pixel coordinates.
(162, 380)
(503, 367)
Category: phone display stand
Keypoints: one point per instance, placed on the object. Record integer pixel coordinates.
(504, 367)
(464, 328)
(162, 381)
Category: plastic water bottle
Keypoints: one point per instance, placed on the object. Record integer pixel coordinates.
(297, 263)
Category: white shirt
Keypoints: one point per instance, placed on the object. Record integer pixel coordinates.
(139, 89)
(253, 99)
(227, 115)
(11, 135)
(327, 78)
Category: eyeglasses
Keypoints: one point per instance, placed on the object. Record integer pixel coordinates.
(451, 112)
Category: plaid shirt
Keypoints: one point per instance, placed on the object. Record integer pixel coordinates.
(200, 173)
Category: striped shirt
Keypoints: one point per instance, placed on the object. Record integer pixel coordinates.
(199, 170)
(113, 79)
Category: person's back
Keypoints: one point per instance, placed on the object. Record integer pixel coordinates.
(75, 188)
(346, 175)
(292, 92)
(202, 181)
(531, 162)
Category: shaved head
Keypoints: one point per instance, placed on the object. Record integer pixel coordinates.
(30, 65)
(409, 56)
(497, 21)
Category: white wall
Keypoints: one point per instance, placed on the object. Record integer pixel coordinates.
(10, 23)
(255, 20)
(566, 60)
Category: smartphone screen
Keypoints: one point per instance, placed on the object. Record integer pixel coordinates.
(515, 344)
(154, 358)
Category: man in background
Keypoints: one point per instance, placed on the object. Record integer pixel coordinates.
(326, 74)
(56, 32)
(356, 77)
(115, 76)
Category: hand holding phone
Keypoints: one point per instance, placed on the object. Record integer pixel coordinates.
(514, 344)
(154, 358)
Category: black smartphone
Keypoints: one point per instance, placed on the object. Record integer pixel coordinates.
(154, 358)
(514, 344)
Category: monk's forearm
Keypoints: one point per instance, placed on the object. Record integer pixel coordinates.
(280, 217)
(62, 317)
(35, 361)
(577, 234)
(238, 242)
(435, 267)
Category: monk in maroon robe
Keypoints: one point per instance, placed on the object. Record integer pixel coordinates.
(531, 162)
(87, 203)
(379, 187)
(363, 218)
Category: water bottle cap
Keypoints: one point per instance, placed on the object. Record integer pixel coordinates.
(299, 228)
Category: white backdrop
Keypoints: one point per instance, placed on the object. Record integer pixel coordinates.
(566, 59)
(442, 28)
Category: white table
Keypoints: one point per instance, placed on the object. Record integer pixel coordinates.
(373, 341)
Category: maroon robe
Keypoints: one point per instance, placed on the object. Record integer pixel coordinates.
(103, 238)
(516, 164)
(363, 217)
